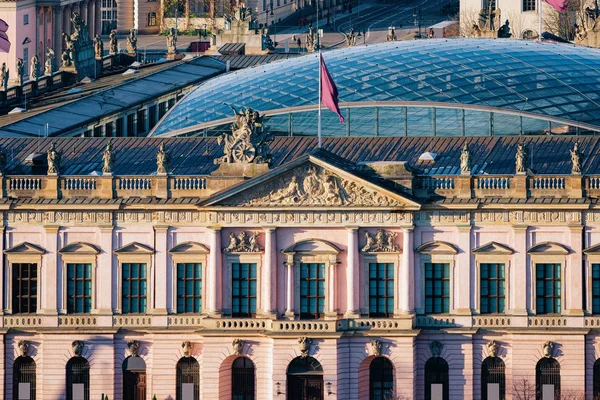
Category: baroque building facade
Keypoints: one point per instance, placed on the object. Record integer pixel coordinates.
(196, 268)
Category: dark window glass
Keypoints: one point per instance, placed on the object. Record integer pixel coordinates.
(596, 288)
(24, 288)
(243, 290)
(437, 288)
(134, 291)
(596, 379)
(436, 373)
(492, 371)
(24, 372)
(152, 116)
(188, 371)
(547, 372)
(312, 290)
(78, 372)
(189, 288)
(381, 290)
(120, 127)
(381, 379)
(141, 122)
(152, 19)
(242, 379)
(79, 288)
(548, 288)
(529, 5)
(492, 288)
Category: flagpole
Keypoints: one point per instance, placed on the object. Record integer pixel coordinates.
(540, 22)
(320, 68)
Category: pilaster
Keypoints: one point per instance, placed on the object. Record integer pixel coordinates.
(352, 273)
(49, 279)
(573, 271)
(161, 276)
(268, 273)
(289, 293)
(519, 273)
(462, 284)
(105, 271)
(214, 272)
(406, 272)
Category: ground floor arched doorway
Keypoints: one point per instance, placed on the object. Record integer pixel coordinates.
(134, 378)
(305, 379)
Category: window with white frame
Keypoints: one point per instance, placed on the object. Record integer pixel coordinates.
(22, 286)
(79, 262)
(547, 267)
(437, 264)
(493, 261)
(189, 270)
(133, 280)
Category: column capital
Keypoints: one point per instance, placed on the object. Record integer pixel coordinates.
(352, 228)
(269, 228)
(51, 228)
(576, 228)
(161, 228)
(215, 228)
(520, 227)
(407, 228)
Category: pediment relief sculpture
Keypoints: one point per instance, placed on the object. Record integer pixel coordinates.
(243, 243)
(381, 242)
(314, 186)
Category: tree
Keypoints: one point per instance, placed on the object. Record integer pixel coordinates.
(563, 24)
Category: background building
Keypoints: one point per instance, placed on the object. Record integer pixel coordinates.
(35, 26)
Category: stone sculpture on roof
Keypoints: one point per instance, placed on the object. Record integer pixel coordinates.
(162, 160)
(132, 42)
(108, 158)
(576, 160)
(172, 41)
(465, 160)
(587, 32)
(98, 47)
(248, 141)
(113, 48)
(311, 40)
(20, 72)
(49, 64)
(4, 75)
(53, 160)
(34, 69)
(521, 159)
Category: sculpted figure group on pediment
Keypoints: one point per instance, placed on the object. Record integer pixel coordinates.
(314, 186)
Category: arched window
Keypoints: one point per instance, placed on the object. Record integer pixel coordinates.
(529, 34)
(242, 379)
(188, 378)
(436, 379)
(547, 378)
(596, 380)
(78, 379)
(24, 378)
(493, 379)
(305, 379)
(381, 379)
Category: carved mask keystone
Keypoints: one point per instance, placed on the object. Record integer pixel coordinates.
(23, 346)
(492, 347)
(238, 346)
(77, 346)
(187, 348)
(548, 347)
(375, 346)
(304, 346)
(134, 347)
(436, 348)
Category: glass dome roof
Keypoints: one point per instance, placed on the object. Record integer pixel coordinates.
(524, 78)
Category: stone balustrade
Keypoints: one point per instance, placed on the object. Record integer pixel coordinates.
(459, 186)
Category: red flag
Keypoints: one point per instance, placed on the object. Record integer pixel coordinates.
(329, 92)
(4, 43)
(559, 5)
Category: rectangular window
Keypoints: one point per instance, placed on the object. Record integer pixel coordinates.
(596, 288)
(381, 290)
(529, 5)
(312, 290)
(152, 116)
(26, 19)
(108, 129)
(120, 127)
(152, 19)
(548, 288)
(437, 288)
(485, 4)
(162, 109)
(492, 280)
(243, 290)
(141, 122)
(79, 288)
(131, 125)
(189, 288)
(24, 288)
(135, 288)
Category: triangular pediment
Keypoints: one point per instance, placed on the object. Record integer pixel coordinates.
(550, 248)
(493, 248)
(134, 248)
(79, 248)
(595, 249)
(313, 180)
(190, 248)
(25, 248)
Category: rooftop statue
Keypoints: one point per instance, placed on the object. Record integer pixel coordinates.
(108, 158)
(20, 71)
(53, 160)
(98, 46)
(162, 160)
(49, 64)
(248, 142)
(4, 75)
(172, 41)
(34, 70)
(576, 159)
(113, 47)
(465, 160)
(132, 42)
(521, 159)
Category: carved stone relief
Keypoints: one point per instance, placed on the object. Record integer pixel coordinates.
(381, 242)
(243, 243)
(304, 346)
